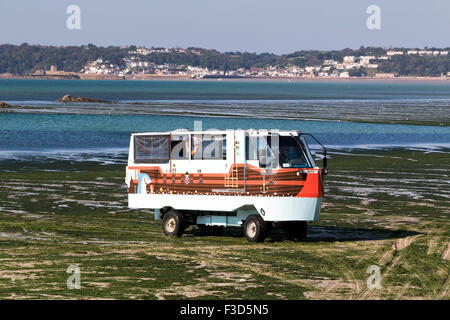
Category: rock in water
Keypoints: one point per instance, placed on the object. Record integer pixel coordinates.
(69, 98)
(4, 105)
(65, 98)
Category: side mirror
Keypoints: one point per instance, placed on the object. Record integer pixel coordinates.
(325, 161)
(324, 152)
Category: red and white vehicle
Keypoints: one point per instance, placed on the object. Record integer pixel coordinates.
(250, 178)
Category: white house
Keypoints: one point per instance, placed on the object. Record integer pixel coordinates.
(394, 53)
(349, 59)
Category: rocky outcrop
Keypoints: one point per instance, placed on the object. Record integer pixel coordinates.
(69, 98)
(5, 105)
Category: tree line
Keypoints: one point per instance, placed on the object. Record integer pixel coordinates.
(25, 58)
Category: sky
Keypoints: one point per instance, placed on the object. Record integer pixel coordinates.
(276, 26)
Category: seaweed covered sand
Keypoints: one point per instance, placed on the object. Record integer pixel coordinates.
(386, 208)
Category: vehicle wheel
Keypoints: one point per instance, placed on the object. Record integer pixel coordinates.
(296, 230)
(254, 228)
(173, 224)
(210, 230)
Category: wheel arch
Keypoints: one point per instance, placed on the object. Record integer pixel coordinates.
(164, 210)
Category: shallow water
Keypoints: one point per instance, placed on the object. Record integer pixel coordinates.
(363, 101)
(50, 90)
(105, 138)
(42, 128)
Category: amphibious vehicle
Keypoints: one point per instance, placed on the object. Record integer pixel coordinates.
(255, 179)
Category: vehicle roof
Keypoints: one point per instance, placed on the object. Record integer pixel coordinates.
(251, 131)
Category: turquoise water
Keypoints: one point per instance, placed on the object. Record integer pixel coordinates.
(76, 129)
(46, 132)
(51, 90)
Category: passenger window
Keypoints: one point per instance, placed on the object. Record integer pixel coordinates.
(251, 147)
(180, 146)
(209, 147)
(151, 148)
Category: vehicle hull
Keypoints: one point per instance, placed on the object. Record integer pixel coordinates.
(276, 209)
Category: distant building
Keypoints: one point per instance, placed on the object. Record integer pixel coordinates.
(329, 63)
(142, 51)
(394, 53)
(257, 70)
(385, 75)
(364, 60)
(54, 71)
(349, 59)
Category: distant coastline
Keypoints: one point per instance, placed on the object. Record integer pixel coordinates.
(81, 76)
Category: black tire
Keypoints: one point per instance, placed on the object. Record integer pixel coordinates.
(254, 228)
(173, 224)
(296, 230)
(210, 230)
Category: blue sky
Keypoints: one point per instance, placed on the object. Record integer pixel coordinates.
(278, 26)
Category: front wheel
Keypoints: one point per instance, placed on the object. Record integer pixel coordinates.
(173, 224)
(254, 228)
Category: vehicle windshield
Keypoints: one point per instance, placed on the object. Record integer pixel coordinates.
(293, 153)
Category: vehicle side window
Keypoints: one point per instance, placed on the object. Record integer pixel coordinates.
(209, 147)
(151, 148)
(251, 147)
(261, 148)
(180, 146)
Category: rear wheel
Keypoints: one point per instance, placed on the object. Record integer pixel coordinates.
(296, 230)
(254, 228)
(173, 224)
